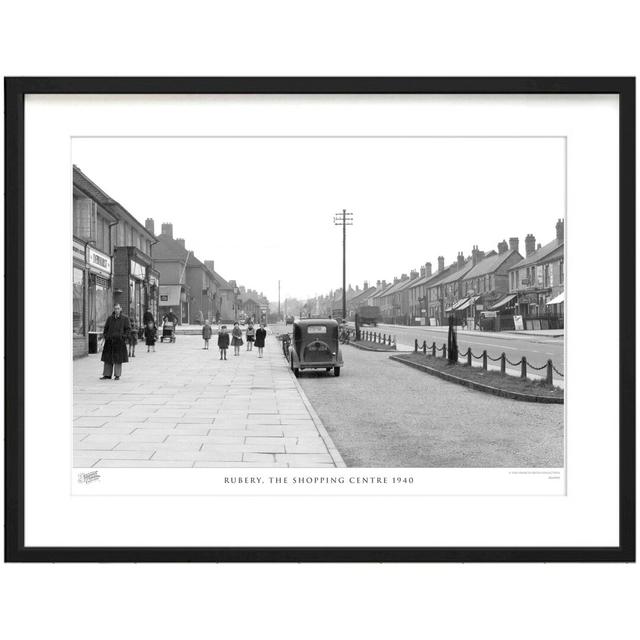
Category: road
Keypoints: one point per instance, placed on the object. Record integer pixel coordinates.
(380, 413)
(536, 349)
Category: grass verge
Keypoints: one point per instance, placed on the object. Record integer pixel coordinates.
(495, 379)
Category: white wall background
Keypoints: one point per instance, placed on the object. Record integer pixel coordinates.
(331, 38)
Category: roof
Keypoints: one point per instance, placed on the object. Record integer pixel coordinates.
(396, 287)
(85, 184)
(383, 291)
(459, 273)
(540, 254)
(490, 264)
(315, 321)
(363, 295)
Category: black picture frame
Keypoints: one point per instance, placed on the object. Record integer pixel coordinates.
(15, 91)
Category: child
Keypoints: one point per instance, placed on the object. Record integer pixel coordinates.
(237, 338)
(251, 334)
(223, 342)
(261, 334)
(150, 336)
(206, 334)
(133, 339)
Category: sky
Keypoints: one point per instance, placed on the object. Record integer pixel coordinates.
(263, 208)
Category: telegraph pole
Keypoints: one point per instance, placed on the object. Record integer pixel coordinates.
(344, 220)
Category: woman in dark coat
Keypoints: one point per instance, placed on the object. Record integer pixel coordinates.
(261, 334)
(114, 353)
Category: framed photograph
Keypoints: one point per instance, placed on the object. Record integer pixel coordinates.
(320, 319)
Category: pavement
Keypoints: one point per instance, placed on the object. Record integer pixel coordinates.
(537, 349)
(183, 407)
(381, 413)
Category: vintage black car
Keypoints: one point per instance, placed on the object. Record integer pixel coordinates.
(314, 345)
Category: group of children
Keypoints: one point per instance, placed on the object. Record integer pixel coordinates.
(149, 333)
(254, 336)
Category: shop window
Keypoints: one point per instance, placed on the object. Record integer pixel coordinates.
(78, 301)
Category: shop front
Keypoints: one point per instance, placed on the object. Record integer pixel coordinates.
(79, 335)
(135, 283)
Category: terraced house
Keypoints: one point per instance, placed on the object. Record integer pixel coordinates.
(536, 283)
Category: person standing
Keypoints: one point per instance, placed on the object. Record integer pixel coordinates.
(114, 353)
(148, 317)
(251, 335)
(206, 334)
(223, 342)
(133, 340)
(261, 334)
(150, 336)
(236, 334)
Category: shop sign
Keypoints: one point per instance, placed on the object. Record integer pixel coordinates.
(78, 250)
(98, 260)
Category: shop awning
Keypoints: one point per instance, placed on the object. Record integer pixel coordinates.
(456, 306)
(558, 299)
(466, 304)
(506, 300)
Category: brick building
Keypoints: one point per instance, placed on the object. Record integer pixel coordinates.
(111, 263)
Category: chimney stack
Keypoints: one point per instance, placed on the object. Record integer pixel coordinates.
(560, 230)
(378, 284)
(167, 230)
(440, 263)
(150, 226)
(427, 269)
(460, 260)
(395, 279)
(475, 255)
(413, 274)
(180, 241)
(404, 276)
(366, 285)
(530, 244)
(422, 272)
(209, 264)
(514, 243)
(503, 247)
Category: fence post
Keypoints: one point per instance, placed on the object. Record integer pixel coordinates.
(444, 349)
(469, 356)
(523, 371)
(424, 347)
(433, 349)
(484, 359)
(503, 363)
(395, 346)
(415, 346)
(384, 338)
(549, 372)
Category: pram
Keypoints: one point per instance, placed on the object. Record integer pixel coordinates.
(168, 332)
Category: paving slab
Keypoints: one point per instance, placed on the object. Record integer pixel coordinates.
(183, 407)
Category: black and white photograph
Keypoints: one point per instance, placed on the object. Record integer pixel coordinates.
(319, 302)
(353, 314)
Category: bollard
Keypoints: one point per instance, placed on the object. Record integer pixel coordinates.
(433, 349)
(415, 346)
(484, 359)
(469, 356)
(549, 372)
(503, 363)
(523, 371)
(444, 350)
(424, 347)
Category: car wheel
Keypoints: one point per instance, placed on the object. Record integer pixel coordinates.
(328, 369)
(336, 371)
